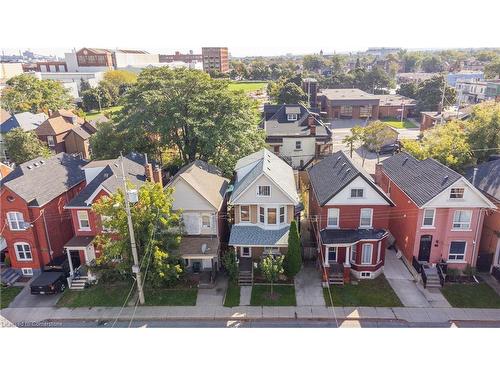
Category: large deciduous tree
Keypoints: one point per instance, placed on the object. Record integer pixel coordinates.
(483, 130)
(197, 115)
(23, 146)
(26, 93)
(429, 94)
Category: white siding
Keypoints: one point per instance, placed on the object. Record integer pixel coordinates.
(472, 198)
(187, 199)
(371, 195)
(305, 154)
(250, 195)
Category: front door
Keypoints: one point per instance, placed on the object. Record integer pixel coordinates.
(424, 253)
(75, 259)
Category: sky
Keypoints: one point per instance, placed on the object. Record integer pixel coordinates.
(248, 28)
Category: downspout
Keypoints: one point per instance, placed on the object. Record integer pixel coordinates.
(475, 244)
(47, 235)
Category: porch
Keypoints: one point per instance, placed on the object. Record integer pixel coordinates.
(81, 254)
(201, 259)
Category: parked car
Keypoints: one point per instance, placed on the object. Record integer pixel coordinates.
(390, 148)
(53, 279)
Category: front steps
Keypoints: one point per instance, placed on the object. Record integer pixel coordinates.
(245, 278)
(78, 283)
(10, 276)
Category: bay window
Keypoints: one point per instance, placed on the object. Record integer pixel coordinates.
(262, 215)
(271, 215)
(282, 214)
(366, 254)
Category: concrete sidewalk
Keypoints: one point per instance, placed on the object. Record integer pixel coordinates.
(32, 317)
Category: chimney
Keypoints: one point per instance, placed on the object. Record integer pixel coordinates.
(474, 176)
(74, 120)
(157, 176)
(148, 169)
(312, 124)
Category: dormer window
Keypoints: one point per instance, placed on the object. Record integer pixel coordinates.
(292, 117)
(264, 191)
(457, 193)
(298, 145)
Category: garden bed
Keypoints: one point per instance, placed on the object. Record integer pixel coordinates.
(474, 295)
(366, 293)
(283, 295)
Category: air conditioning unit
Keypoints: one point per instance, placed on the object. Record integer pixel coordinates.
(133, 196)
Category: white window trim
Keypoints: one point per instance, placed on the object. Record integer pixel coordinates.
(50, 141)
(353, 253)
(292, 117)
(300, 145)
(455, 188)
(356, 188)
(17, 252)
(336, 253)
(27, 271)
(284, 214)
(241, 218)
(80, 227)
(371, 218)
(260, 215)
(459, 222)
(379, 251)
(266, 215)
(249, 252)
(433, 218)
(259, 195)
(457, 260)
(363, 253)
(365, 275)
(20, 224)
(328, 217)
(209, 221)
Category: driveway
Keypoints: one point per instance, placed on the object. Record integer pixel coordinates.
(213, 296)
(26, 299)
(402, 281)
(308, 288)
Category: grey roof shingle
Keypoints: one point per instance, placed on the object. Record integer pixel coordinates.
(42, 179)
(253, 235)
(332, 174)
(487, 178)
(420, 180)
(25, 120)
(348, 236)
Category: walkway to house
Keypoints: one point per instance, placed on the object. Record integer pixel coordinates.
(245, 294)
(491, 281)
(213, 296)
(308, 288)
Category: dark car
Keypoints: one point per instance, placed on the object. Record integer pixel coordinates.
(391, 148)
(53, 279)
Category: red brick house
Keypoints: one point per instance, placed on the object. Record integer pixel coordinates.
(102, 178)
(349, 217)
(439, 214)
(33, 221)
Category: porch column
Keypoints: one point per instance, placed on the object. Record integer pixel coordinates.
(326, 264)
(71, 270)
(347, 264)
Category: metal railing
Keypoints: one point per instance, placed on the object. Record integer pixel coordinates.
(441, 274)
(415, 263)
(424, 276)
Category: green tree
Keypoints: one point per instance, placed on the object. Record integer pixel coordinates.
(429, 94)
(354, 139)
(187, 110)
(259, 70)
(84, 85)
(229, 262)
(107, 142)
(272, 267)
(290, 93)
(483, 130)
(23, 146)
(432, 64)
(409, 90)
(410, 61)
(96, 98)
(313, 63)
(156, 233)
(447, 143)
(375, 135)
(293, 258)
(492, 70)
(25, 92)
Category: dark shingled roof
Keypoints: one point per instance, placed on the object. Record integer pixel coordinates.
(349, 236)
(421, 180)
(253, 235)
(42, 179)
(487, 178)
(332, 174)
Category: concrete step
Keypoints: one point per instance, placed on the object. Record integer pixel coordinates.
(9, 276)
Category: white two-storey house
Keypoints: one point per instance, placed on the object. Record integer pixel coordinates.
(199, 193)
(264, 197)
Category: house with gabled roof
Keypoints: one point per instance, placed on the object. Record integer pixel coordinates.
(439, 214)
(102, 178)
(199, 193)
(349, 219)
(296, 134)
(35, 224)
(262, 201)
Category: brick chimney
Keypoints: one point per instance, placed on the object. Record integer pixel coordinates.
(312, 124)
(157, 176)
(148, 169)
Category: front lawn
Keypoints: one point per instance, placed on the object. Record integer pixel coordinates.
(248, 87)
(367, 293)
(232, 295)
(395, 123)
(471, 295)
(105, 111)
(7, 295)
(171, 297)
(283, 295)
(102, 294)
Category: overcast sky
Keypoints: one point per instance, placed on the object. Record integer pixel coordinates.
(250, 27)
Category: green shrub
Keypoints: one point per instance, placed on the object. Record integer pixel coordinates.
(293, 258)
(230, 264)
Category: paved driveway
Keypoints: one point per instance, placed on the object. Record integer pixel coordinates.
(308, 288)
(213, 296)
(25, 299)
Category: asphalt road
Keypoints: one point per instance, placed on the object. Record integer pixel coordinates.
(265, 324)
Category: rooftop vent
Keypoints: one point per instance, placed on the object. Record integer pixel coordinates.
(30, 167)
(204, 248)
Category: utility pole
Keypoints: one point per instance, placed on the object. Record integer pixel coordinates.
(135, 268)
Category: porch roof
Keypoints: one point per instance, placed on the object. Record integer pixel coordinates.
(79, 242)
(252, 235)
(191, 246)
(350, 236)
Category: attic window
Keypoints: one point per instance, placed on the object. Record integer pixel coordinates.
(292, 117)
(457, 193)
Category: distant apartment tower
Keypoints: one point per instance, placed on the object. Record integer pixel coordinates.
(215, 59)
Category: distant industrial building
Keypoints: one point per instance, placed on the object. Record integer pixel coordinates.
(187, 58)
(215, 59)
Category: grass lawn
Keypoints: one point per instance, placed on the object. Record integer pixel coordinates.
(232, 295)
(171, 297)
(248, 87)
(7, 295)
(93, 114)
(375, 292)
(284, 295)
(102, 294)
(395, 123)
(471, 295)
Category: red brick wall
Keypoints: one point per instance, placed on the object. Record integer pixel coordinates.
(94, 219)
(491, 227)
